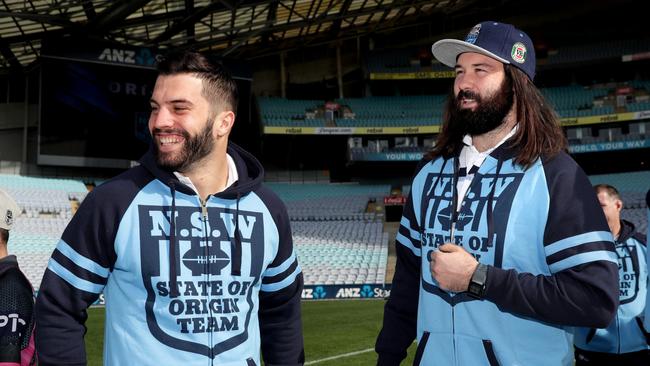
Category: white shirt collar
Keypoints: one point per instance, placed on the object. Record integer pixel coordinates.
(467, 140)
(233, 176)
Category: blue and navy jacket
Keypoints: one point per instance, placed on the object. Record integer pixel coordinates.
(625, 333)
(550, 256)
(646, 320)
(185, 282)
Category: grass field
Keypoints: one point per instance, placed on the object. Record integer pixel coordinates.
(331, 329)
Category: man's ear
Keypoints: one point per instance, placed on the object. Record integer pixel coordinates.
(223, 123)
(619, 205)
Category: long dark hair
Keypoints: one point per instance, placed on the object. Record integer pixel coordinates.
(539, 132)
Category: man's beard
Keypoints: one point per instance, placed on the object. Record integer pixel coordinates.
(489, 114)
(194, 149)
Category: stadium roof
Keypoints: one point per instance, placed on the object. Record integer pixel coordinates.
(229, 27)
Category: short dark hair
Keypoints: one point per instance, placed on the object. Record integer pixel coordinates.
(611, 191)
(218, 85)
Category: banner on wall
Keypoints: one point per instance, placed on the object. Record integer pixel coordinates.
(609, 146)
(407, 130)
(411, 130)
(412, 75)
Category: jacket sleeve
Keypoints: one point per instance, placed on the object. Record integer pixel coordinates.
(582, 289)
(75, 276)
(16, 315)
(280, 293)
(400, 312)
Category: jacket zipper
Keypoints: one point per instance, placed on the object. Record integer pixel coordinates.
(204, 214)
(453, 332)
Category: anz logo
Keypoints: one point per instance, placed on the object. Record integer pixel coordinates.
(142, 57)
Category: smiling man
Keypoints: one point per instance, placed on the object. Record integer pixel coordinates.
(502, 244)
(194, 255)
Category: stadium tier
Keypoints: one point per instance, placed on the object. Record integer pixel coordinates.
(573, 101)
(418, 59)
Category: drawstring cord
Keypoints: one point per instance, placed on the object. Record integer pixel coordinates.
(490, 203)
(173, 287)
(236, 247)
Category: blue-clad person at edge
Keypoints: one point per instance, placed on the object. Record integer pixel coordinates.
(624, 341)
(503, 246)
(646, 321)
(193, 253)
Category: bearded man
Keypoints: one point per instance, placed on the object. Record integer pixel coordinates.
(502, 245)
(192, 252)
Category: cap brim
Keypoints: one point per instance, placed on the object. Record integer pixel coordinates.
(447, 50)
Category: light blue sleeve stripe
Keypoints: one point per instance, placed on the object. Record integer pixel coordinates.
(271, 287)
(573, 241)
(578, 259)
(270, 272)
(69, 277)
(82, 261)
(407, 243)
(407, 224)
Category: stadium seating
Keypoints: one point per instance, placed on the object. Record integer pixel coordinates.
(46, 210)
(285, 112)
(336, 240)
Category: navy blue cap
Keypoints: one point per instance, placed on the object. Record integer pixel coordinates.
(500, 41)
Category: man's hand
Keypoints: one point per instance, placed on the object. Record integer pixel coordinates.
(452, 266)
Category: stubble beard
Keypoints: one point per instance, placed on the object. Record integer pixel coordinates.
(195, 148)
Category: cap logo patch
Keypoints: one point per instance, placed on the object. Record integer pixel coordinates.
(473, 34)
(518, 53)
(9, 218)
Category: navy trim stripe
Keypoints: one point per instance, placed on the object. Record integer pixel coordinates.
(579, 259)
(409, 244)
(82, 260)
(274, 271)
(277, 286)
(76, 269)
(73, 280)
(577, 240)
(579, 249)
(409, 230)
(409, 234)
(280, 276)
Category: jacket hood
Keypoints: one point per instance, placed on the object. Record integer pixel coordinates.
(249, 169)
(627, 230)
(8, 263)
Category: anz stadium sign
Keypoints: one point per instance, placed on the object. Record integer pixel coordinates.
(367, 291)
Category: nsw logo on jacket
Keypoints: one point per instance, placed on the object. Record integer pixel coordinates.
(628, 268)
(472, 224)
(210, 300)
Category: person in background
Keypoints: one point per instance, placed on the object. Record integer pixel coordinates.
(624, 341)
(193, 253)
(502, 244)
(16, 297)
(646, 320)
